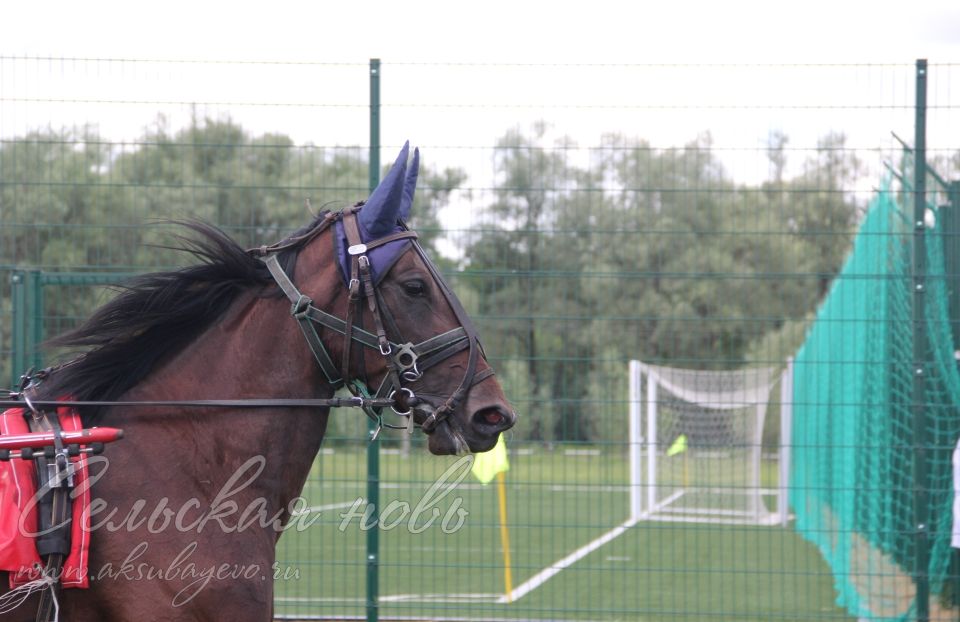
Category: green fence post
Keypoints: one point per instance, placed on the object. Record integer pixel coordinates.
(921, 476)
(373, 447)
(950, 217)
(36, 318)
(18, 328)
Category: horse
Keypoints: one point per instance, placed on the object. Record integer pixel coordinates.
(161, 358)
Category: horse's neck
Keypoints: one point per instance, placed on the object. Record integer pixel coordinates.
(256, 351)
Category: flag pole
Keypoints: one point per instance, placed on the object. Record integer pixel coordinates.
(505, 536)
(486, 466)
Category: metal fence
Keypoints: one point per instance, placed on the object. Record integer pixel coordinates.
(687, 216)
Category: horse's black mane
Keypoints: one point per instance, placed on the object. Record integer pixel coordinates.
(156, 315)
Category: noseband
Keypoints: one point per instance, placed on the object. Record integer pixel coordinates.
(404, 362)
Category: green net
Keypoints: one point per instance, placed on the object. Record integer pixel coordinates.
(853, 474)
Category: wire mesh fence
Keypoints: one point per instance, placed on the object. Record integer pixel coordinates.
(686, 216)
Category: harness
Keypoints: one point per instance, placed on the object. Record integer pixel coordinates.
(54, 478)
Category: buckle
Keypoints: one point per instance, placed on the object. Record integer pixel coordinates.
(60, 472)
(26, 379)
(406, 357)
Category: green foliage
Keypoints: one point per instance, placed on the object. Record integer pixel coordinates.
(536, 237)
(256, 187)
(651, 254)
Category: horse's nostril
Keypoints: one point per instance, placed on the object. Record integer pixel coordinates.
(494, 416)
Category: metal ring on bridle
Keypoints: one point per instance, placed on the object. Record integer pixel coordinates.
(406, 359)
(410, 397)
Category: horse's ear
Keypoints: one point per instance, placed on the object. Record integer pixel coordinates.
(382, 210)
(410, 186)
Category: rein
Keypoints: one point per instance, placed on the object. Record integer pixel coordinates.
(333, 402)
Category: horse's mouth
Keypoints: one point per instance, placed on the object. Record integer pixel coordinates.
(443, 440)
(446, 441)
(449, 439)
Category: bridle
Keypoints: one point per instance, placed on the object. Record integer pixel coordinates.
(403, 361)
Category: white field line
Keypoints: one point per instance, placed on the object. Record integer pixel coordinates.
(665, 514)
(769, 521)
(648, 513)
(319, 599)
(439, 598)
(547, 573)
(395, 598)
(324, 508)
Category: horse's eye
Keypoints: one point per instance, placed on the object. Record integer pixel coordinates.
(415, 287)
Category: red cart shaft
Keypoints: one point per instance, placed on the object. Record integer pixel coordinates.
(37, 440)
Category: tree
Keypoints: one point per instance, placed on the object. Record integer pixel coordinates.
(777, 154)
(530, 255)
(53, 182)
(823, 209)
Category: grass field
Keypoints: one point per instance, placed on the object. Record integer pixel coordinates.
(558, 501)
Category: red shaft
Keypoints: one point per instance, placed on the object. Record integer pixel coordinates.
(37, 440)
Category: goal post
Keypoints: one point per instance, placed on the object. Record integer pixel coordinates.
(696, 449)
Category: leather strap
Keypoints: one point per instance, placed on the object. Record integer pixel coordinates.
(54, 509)
(300, 310)
(475, 351)
(350, 227)
(333, 402)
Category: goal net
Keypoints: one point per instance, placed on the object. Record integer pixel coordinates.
(696, 445)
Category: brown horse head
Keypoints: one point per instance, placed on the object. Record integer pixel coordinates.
(427, 354)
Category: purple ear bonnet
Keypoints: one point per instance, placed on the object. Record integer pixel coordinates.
(389, 203)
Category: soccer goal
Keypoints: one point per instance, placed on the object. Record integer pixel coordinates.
(696, 445)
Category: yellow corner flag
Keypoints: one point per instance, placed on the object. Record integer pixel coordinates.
(488, 464)
(679, 446)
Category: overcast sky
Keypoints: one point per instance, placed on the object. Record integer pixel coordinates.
(490, 31)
